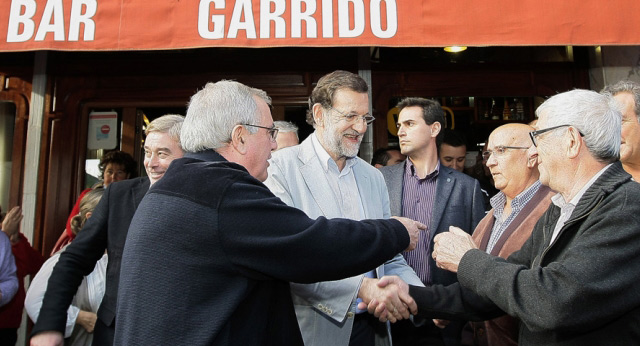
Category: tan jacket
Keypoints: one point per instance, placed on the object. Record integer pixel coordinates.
(503, 331)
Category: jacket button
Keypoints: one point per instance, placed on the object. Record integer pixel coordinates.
(350, 314)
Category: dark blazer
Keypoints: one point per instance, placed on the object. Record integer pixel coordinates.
(211, 251)
(106, 229)
(579, 290)
(458, 203)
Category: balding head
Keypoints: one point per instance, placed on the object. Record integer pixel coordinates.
(512, 169)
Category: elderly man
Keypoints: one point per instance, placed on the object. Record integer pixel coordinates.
(105, 230)
(210, 251)
(287, 134)
(324, 177)
(627, 93)
(574, 282)
(515, 210)
(423, 189)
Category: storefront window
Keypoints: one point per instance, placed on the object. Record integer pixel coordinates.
(103, 135)
(7, 124)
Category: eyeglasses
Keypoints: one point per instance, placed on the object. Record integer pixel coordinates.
(272, 131)
(367, 118)
(499, 151)
(534, 134)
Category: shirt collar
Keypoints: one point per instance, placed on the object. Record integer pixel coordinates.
(325, 159)
(499, 200)
(560, 202)
(411, 170)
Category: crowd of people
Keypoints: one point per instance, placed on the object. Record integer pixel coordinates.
(240, 234)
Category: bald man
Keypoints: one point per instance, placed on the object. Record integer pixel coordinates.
(516, 208)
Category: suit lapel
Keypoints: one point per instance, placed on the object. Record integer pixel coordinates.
(317, 183)
(363, 182)
(395, 176)
(444, 185)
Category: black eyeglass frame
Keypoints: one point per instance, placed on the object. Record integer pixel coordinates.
(272, 131)
(367, 118)
(487, 154)
(534, 134)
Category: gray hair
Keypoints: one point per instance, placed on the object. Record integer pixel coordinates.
(625, 86)
(170, 124)
(215, 110)
(595, 115)
(285, 126)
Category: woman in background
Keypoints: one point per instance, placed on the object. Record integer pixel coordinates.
(81, 315)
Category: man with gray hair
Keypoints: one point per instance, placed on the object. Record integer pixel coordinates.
(287, 134)
(105, 230)
(627, 93)
(574, 281)
(210, 251)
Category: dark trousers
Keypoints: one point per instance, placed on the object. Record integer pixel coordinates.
(8, 336)
(405, 333)
(103, 334)
(365, 328)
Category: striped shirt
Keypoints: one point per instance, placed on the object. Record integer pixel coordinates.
(418, 196)
(498, 203)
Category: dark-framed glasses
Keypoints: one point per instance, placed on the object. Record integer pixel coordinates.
(499, 151)
(352, 117)
(272, 131)
(534, 134)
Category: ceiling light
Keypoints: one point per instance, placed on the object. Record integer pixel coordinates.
(455, 49)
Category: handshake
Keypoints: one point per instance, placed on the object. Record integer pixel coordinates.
(388, 298)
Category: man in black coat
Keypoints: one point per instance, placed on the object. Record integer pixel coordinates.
(105, 230)
(211, 251)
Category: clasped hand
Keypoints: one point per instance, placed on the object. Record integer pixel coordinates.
(387, 299)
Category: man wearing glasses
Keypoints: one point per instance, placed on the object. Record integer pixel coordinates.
(574, 281)
(323, 177)
(515, 210)
(210, 251)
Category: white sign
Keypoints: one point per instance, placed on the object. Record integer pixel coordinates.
(103, 130)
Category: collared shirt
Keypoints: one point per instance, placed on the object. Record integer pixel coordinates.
(418, 196)
(566, 209)
(498, 203)
(342, 183)
(344, 187)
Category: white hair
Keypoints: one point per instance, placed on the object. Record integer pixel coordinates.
(285, 126)
(595, 115)
(215, 110)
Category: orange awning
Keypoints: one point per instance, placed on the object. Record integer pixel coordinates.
(175, 24)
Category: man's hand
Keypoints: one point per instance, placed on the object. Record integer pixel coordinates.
(413, 228)
(87, 320)
(11, 224)
(392, 303)
(450, 247)
(48, 338)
